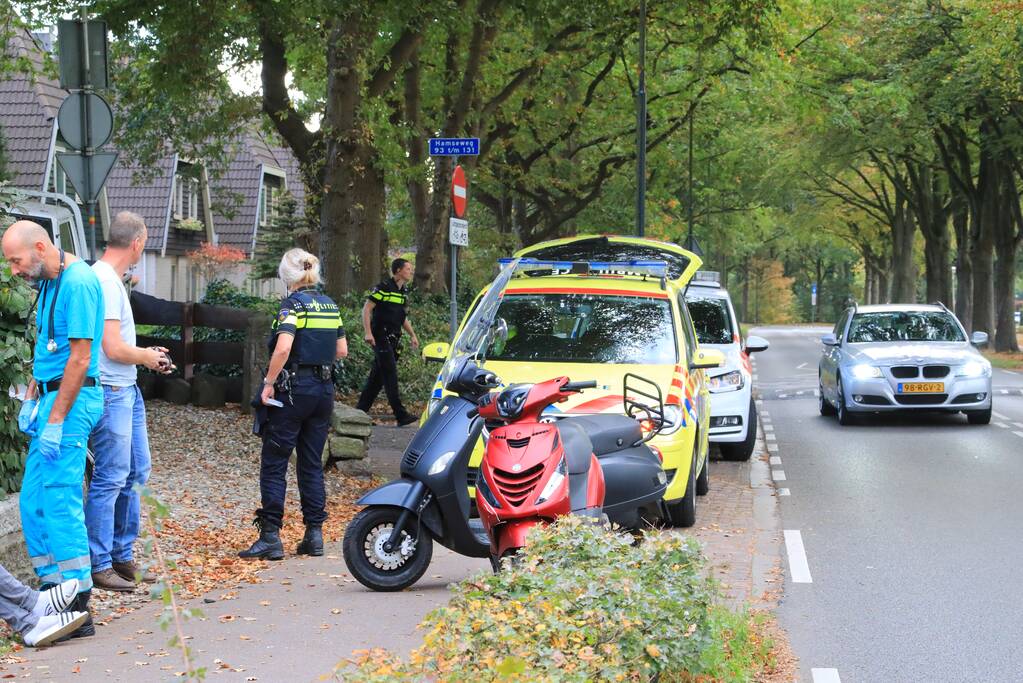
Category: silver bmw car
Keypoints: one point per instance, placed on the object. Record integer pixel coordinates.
(903, 357)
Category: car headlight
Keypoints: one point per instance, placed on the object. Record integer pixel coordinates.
(730, 381)
(553, 483)
(866, 372)
(974, 368)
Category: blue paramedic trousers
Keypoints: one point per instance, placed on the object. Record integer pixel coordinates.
(52, 515)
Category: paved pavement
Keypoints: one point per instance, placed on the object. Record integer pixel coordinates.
(901, 533)
(310, 614)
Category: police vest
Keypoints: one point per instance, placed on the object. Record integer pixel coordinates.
(315, 321)
(389, 307)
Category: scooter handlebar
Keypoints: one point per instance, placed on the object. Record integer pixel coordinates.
(579, 386)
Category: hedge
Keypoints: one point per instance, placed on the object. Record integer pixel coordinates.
(582, 604)
(15, 357)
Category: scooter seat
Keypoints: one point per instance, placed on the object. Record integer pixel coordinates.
(607, 433)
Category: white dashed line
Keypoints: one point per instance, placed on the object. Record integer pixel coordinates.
(783, 492)
(1010, 372)
(770, 436)
(816, 393)
(778, 475)
(768, 427)
(1019, 434)
(783, 395)
(999, 415)
(775, 460)
(825, 676)
(1003, 392)
(800, 366)
(772, 448)
(798, 566)
(1002, 425)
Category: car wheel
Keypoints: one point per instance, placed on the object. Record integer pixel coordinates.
(703, 480)
(683, 511)
(845, 418)
(823, 404)
(979, 417)
(737, 452)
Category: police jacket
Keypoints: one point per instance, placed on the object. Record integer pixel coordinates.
(315, 321)
(389, 311)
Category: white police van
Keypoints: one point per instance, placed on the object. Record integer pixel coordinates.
(733, 414)
(56, 212)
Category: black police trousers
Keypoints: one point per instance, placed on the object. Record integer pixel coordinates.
(302, 423)
(384, 374)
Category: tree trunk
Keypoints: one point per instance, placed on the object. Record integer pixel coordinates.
(963, 294)
(418, 195)
(882, 287)
(868, 282)
(903, 234)
(1006, 241)
(982, 238)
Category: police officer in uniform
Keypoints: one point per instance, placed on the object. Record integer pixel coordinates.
(384, 316)
(298, 393)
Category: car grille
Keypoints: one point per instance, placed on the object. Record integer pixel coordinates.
(518, 443)
(905, 371)
(516, 486)
(935, 371)
(921, 399)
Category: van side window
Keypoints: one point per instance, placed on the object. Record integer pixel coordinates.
(67, 238)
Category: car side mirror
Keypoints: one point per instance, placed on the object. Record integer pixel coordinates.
(436, 352)
(755, 344)
(706, 359)
(830, 339)
(979, 339)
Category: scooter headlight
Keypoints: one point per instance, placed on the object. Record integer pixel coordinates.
(553, 483)
(672, 419)
(483, 489)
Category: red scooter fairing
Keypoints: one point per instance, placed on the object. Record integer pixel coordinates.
(533, 471)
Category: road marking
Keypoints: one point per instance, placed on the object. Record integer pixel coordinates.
(1018, 424)
(772, 448)
(800, 366)
(1004, 392)
(817, 393)
(783, 492)
(798, 566)
(825, 676)
(768, 427)
(754, 377)
(999, 415)
(1002, 425)
(1019, 434)
(770, 437)
(783, 395)
(778, 475)
(1010, 372)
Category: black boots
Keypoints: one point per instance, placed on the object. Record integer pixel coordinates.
(268, 546)
(312, 542)
(81, 604)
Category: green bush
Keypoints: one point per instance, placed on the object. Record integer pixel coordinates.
(15, 358)
(583, 604)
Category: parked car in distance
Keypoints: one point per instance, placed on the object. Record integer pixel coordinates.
(896, 357)
(733, 413)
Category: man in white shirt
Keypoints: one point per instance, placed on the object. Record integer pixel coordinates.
(120, 440)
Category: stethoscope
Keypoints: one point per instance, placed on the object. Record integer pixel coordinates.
(51, 345)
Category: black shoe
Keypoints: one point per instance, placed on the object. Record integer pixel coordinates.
(87, 629)
(312, 542)
(407, 419)
(268, 546)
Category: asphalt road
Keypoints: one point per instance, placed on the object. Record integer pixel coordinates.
(910, 527)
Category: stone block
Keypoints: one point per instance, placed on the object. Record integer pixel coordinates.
(175, 390)
(359, 431)
(344, 448)
(149, 385)
(208, 391)
(347, 415)
(233, 389)
(13, 554)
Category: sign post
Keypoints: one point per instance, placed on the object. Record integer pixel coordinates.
(85, 119)
(813, 301)
(458, 227)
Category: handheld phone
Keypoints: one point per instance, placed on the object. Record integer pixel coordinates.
(273, 402)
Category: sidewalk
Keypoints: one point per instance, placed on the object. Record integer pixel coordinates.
(307, 614)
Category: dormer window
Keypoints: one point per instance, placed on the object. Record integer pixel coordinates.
(186, 195)
(269, 198)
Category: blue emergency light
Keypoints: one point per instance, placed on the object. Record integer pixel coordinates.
(633, 267)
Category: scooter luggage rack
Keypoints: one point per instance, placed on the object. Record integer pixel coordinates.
(635, 268)
(634, 407)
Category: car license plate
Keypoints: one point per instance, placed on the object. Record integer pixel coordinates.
(921, 387)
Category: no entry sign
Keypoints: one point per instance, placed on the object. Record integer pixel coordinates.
(459, 191)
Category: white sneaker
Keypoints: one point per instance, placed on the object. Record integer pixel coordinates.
(54, 626)
(56, 599)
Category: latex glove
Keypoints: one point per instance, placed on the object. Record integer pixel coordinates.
(27, 416)
(49, 440)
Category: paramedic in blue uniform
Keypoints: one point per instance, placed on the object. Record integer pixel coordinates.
(63, 404)
(384, 316)
(298, 397)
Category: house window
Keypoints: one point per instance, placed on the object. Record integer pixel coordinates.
(186, 197)
(269, 197)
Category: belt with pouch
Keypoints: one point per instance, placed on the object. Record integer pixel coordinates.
(54, 384)
(321, 372)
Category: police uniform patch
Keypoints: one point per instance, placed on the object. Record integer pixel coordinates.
(283, 315)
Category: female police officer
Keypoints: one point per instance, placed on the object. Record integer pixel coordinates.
(306, 337)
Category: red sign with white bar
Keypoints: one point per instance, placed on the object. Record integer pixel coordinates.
(459, 191)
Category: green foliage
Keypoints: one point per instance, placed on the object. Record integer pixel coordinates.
(581, 604)
(286, 231)
(15, 357)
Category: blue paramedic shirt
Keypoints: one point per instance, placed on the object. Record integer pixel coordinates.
(78, 315)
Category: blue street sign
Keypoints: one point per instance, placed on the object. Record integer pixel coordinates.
(813, 288)
(454, 147)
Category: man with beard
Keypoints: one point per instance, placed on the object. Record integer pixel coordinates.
(63, 403)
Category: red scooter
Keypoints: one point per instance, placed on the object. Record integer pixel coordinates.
(533, 471)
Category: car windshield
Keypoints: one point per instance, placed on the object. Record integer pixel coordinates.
(904, 326)
(583, 328)
(711, 319)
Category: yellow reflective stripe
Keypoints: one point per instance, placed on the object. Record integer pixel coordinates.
(290, 320)
(378, 296)
(324, 324)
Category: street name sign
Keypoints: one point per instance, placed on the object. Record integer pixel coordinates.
(454, 147)
(458, 232)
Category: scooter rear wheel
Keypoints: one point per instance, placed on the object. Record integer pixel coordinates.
(371, 565)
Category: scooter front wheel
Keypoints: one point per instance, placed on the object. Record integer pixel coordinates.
(371, 564)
